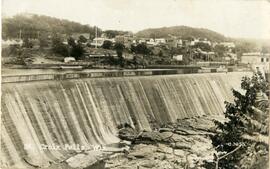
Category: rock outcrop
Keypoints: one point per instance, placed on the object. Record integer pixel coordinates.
(185, 143)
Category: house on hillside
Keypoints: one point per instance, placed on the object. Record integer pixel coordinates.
(228, 44)
(151, 42)
(127, 40)
(98, 42)
(256, 60)
(178, 57)
(200, 40)
(160, 41)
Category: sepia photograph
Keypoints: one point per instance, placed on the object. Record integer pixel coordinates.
(135, 84)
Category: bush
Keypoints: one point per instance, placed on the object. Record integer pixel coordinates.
(27, 43)
(107, 44)
(77, 51)
(58, 47)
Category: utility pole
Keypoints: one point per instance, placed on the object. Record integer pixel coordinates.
(20, 35)
(96, 36)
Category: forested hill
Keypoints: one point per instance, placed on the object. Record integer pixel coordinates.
(31, 25)
(182, 31)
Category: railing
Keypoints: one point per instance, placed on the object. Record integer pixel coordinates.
(120, 73)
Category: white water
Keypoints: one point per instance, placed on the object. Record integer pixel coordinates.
(88, 111)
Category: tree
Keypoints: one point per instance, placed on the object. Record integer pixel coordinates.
(203, 46)
(58, 47)
(107, 44)
(160, 53)
(27, 43)
(113, 33)
(71, 41)
(82, 39)
(43, 41)
(235, 141)
(77, 51)
(141, 49)
(119, 47)
(220, 50)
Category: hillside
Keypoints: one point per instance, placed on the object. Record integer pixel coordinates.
(31, 25)
(182, 31)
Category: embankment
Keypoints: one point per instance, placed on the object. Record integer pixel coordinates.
(88, 111)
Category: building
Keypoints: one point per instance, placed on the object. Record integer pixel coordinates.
(98, 42)
(257, 61)
(6, 43)
(151, 42)
(199, 40)
(256, 57)
(178, 57)
(142, 40)
(228, 44)
(69, 59)
(160, 41)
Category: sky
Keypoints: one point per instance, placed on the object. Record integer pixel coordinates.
(232, 18)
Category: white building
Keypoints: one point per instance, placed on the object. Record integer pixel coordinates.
(228, 44)
(178, 57)
(151, 42)
(6, 43)
(98, 42)
(160, 40)
(257, 61)
(69, 59)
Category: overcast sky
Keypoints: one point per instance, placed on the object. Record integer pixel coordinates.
(234, 18)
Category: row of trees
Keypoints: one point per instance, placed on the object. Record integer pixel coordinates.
(73, 49)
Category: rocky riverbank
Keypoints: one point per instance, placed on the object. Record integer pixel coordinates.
(184, 144)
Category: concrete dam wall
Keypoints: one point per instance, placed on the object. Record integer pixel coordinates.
(89, 111)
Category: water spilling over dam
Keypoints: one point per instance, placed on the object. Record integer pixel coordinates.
(89, 111)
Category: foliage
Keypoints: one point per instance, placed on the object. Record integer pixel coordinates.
(140, 49)
(113, 33)
(43, 41)
(71, 41)
(182, 31)
(31, 24)
(119, 47)
(82, 39)
(203, 46)
(107, 44)
(77, 51)
(220, 50)
(160, 53)
(27, 43)
(245, 47)
(58, 47)
(241, 117)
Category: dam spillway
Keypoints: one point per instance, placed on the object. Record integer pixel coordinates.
(88, 111)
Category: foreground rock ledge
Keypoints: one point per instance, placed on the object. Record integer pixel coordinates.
(183, 144)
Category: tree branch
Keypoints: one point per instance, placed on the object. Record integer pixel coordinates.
(229, 153)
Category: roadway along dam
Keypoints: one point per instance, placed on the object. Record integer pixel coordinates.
(89, 111)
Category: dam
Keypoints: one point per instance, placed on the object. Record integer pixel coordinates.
(88, 111)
